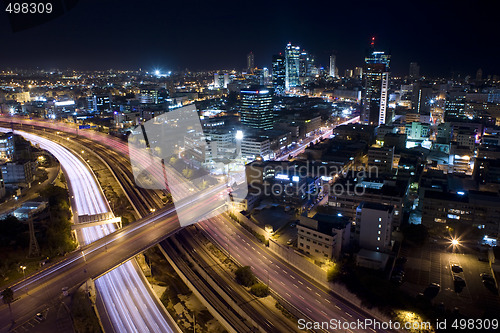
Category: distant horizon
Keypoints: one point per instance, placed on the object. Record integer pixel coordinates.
(441, 36)
(149, 71)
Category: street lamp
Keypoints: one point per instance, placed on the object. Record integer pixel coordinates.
(455, 242)
(23, 268)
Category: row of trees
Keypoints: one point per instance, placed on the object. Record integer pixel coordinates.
(245, 277)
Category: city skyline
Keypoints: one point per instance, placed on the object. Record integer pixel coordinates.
(221, 35)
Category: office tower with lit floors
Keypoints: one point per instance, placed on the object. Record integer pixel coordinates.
(279, 74)
(376, 85)
(292, 65)
(250, 63)
(256, 109)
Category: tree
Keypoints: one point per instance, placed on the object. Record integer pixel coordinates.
(8, 297)
(188, 173)
(260, 289)
(244, 276)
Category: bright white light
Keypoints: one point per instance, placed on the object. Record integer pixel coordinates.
(239, 135)
(295, 178)
(157, 72)
(461, 193)
(64, 103)
(454, 242)
(280, 176)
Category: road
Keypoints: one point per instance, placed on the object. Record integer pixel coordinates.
(431, 263)
(313, 300)
(128, 303)
(305, 143)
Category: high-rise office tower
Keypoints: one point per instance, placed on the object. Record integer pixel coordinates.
(256, 108)
(333, 71)
(414, 71)
(279, 73)
(306, 65)
(216, 80)
(358, 72)
(376, 86)
(265, 75)
(292, 55)
(250, 63)
(420, 99)
(221, 80)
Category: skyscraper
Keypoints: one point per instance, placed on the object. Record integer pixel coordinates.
(279, 73)
(250, 63)
(358, 72)
(256, 108)
(414, 71)
(292, 55)
(333, 61)
(376, 85)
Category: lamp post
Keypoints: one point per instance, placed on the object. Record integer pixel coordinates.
(23, 268)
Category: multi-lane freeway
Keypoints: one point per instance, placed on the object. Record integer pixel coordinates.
(129, 306)
(316, 302)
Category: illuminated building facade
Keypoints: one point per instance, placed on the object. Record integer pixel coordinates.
(257, 108)
(292, 56)
(376, 85)
(279, 74)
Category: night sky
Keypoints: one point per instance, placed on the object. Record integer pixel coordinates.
(442, 36)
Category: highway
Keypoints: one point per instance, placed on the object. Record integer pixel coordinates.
(129, 307)
(305, 143)
(314, 301)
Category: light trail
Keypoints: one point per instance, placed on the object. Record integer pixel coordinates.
(127, 301)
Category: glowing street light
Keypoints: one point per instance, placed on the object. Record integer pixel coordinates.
(23, 268)
(455, 242)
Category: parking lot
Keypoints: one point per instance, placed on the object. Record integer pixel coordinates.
(431, 263)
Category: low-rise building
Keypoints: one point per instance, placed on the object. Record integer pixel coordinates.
(479, 209)
(374, 222)
(323, 236)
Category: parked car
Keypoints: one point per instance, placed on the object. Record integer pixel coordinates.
(490, 285)
(487, 277)
(457, 268)
(458, 280)
(432, 290)
(289, 242)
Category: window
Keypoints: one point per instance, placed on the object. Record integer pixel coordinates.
(302, 244)
(379, 232)
(308, 247)
(380, 226)
(378, 238)
(327, 239)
